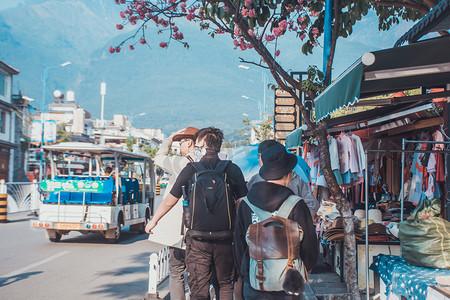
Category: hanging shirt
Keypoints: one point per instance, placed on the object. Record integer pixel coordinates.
(344, 145)
(360, 150)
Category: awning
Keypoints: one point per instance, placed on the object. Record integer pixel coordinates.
(294, 138)
(422, 64)
(343, 92)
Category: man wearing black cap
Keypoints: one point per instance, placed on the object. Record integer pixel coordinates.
(297, 185)
(269, 195)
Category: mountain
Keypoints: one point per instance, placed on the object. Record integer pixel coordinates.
(175, 87)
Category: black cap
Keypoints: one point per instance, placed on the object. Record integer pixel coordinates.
(277, 162)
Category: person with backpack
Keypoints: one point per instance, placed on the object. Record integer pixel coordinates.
(274, 238)
(210, 189)
(297, 185)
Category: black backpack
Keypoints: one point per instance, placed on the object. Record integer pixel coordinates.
(211, 203)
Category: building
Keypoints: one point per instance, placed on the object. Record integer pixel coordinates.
(8, 143)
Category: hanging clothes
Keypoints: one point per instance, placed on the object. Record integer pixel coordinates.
(334, 158)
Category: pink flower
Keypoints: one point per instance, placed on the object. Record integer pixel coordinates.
(269, 38)
(142, 41)
(315, 30)
(282, 25)
(244, 12)
(251, 32)
(178, 36)
(190, 17)
(243, 46)
(119, 26)
(163, 45)
(132, 22)
(236, 43)
(247, 2)
(301, 19)
(155, 19)
(175, 29)
(131, 47)
(251, 13)
(183, 5)
(237, 31)
(314, 14)
(117, 49)
(164, 23)
(220, 31)
(122, 15)
(302, 36)
(112, 49)
(277, 53)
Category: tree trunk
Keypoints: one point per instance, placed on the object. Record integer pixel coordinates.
(343, 206)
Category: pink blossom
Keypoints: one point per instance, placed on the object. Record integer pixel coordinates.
(237, 31)
(314, 14)
(149, 15)
(236, 43)
(247, 2)
(269, 38)
(133, 22)
(190, 17)
(302, 27)
(117, 49)
(244, 12)
(122, 15)
(119, 26)
(251, 32)
(301, 19)
(277, 31)
(175, 29)
(178, 36)
(282, 24)
(112, 49)
(164, 23)
(302, 36)
(155, 19)
(142, 41)
(243, 46)
(251, 13)
(163, 45)
(315, 30)
(183, 5)
(277, 53)
(131, 47)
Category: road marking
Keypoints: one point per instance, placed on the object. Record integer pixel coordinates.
(24, 269)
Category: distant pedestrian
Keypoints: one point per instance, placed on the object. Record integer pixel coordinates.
(297, 185)
(212, 247)
(269, 196)
(171, 230)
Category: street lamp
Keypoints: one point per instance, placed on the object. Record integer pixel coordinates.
(45, 76)
(265, 79)
(259, 105)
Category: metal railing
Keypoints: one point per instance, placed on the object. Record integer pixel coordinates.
(22, 196)
(158, 271)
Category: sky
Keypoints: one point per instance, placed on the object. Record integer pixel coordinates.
(9, 3)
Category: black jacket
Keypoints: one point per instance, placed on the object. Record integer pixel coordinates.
(269, 196)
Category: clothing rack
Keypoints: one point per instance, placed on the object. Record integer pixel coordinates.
(403, 151)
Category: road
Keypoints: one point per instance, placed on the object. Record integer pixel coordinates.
(77, 267)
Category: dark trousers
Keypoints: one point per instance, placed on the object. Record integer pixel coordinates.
(177, 268)
(252, 294)
(201, 256)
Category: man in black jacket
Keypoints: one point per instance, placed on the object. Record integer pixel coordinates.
(201, 254)
(269, 195)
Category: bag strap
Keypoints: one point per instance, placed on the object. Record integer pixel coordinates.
(262, 214)
(221, 166)
(198, 166)
(287, 206)
(284, 211)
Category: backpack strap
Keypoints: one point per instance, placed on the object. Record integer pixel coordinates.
(260, 213)
(287, 206)
(221, 166)
(284, 211)
(198, 166)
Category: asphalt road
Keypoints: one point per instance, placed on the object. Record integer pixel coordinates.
(77, 267)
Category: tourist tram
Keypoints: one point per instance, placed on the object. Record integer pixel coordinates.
(97, 200)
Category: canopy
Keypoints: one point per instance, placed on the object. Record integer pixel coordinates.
(343, 92)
